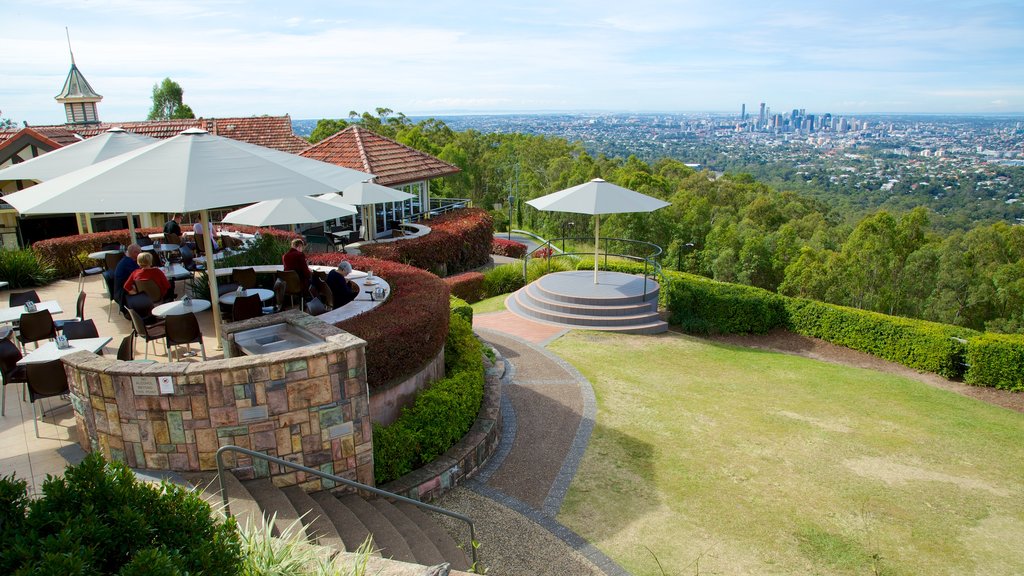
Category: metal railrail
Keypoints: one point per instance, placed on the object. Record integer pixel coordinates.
(339, 480)
(652, 267)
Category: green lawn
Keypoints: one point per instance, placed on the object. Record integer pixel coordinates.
(723, 460)
(494, 304)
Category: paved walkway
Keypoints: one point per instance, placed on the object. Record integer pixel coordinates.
(548, 412)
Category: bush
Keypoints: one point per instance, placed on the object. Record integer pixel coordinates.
(996, 360)
(441, 414)
(509, 248)
(921, 345)
(469, 286)
(539, 267)
(458, 241)
(704, 306)
(462, 308)
(406, 332)
(267, 249)
(98, 519)
(503, 279)
(24, 269)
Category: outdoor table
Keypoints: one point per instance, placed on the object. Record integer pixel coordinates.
(14, 314)
(102, 254)
(157, 236)
(178, 308)
(175, 272)
(3, 284)
(167, 248)
(49, 351)
(229, 298)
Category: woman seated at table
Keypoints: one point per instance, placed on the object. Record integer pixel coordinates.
(343, 290)
(148, 272)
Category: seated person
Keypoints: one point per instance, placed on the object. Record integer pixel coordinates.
(172, 230)
(198, 229)
(124, 269)
(147, 272)
(295, 259)
(344, 290)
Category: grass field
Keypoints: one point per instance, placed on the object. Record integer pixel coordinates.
(710, 459)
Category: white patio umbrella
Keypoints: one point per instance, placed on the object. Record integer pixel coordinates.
(61, 161)
(595, 198)
(294, 210)
(194, 171)
(367, 193)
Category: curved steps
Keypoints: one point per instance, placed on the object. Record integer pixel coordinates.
(619, 302)
(400, 531)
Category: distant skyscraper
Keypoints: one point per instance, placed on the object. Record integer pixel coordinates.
(760, 118)
(743, 112)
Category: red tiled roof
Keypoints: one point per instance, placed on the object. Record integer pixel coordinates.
(392, 163)
(60, 135)
(269, 131)
(23, 136)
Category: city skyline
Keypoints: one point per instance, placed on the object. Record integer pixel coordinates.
(241, 59)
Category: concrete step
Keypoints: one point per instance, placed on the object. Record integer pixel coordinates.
(581, 316)
(577, 287)
(422, 547)
(442, 541)
(385, 536)
(540, 299)
(275, 505)
(319, 527)
(242, 504)
(351, 530)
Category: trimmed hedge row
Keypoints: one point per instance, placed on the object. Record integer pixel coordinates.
(469, 286)
(441, 415)
(406, 332)
(704, 306)
(67, 251)
(459, 240)
(509, 248)
(996, 360)
(462, 308)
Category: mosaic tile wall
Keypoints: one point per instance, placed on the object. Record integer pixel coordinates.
(309, 405)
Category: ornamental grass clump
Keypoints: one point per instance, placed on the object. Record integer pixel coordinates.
(24, 269)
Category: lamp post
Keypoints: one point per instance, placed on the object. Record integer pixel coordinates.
(511, 201)
(689, 246)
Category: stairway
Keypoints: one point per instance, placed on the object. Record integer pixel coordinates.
(400, 531)
(617, 303)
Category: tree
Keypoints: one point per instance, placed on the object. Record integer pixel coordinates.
(325, 128)
(167, 102)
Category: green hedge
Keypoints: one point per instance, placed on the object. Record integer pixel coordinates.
(441, 414)
(996, 360)
(704, 306)
(461, 308)
(927, 346)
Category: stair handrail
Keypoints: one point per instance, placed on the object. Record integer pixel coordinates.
(338, 479)
(652, 266)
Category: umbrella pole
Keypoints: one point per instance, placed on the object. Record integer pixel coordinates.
(597, 241)
(211, 274)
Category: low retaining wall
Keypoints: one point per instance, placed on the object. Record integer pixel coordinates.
(386, 405)
(308, 405)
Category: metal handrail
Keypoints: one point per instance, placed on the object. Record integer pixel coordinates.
(339, 480)
(651, 260)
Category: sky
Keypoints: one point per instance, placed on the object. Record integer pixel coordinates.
(322, 59)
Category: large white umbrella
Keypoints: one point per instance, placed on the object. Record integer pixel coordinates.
(61, 161)
(294, 210)
(367, 193)
(194, 171)
(595, 198)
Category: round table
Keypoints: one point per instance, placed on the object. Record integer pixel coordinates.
(102, 254)
(167, 248)
(178, 307)
(229, 298)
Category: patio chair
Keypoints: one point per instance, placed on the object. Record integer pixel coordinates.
(182, 330)
(315, 307)
(112, 293)
(323, 291)
(292, 285)
(16, 299)
(150, 288)
(142, 304)
(45, 380)
(126, 350)
(111, 260)
(80, 329)
(36, 326)
(279, 292)
(110, 246)
(83, 272)
(9, 369)
(244, 277)
(246, 307)
(144, 241)
(150, 332)
(79, 312)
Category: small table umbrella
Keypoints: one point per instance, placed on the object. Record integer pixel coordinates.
(295, 210)
(367, 193)
(595, 198)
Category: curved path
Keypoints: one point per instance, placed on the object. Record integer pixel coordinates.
(548, 411)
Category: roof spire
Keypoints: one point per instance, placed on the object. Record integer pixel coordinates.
(68, 34)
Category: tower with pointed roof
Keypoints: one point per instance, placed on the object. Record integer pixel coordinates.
(78, 97)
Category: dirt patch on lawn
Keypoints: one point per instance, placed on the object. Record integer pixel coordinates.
(896, 473)
(790, 343)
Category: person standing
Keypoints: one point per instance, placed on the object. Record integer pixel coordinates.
(295, 259)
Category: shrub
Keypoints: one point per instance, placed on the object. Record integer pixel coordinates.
(459, 240)
(509, 248)
(441, 414)
(921, 345)
(267, 249)
(408, 330)
(469, 286)
(24, 269)
(462, 308)
(98, 519)
(996, 360)
(539, 267)
(704, 306)
(503, 279)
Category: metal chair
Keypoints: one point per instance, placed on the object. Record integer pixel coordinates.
(16, 299)
(244, 277)
(246, 307)
(9, 369)
(182, 330)
(151, 332)
(126, 351)
(292, 285)
(112, 292)
(80, 329)
(45, 380)
(83, 272)
(142, 304)
(79, 312)
(36, 326)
